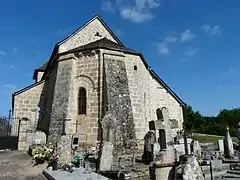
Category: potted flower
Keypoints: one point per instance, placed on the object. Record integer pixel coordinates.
(38, 155)
(76, 160)
(39, 158)
(54, 160)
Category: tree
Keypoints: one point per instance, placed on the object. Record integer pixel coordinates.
(195, 122)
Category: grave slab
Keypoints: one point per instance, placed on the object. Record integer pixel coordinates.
(77, 174)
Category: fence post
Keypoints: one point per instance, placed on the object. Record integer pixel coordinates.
(9, 119)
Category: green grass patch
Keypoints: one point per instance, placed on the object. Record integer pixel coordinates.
(207, 138)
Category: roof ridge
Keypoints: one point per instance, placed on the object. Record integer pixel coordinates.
(86, 23)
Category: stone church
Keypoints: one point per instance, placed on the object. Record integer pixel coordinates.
(91, 82)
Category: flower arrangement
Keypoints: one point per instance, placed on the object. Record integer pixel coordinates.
(77, 158)
(54, 159)
(41, 153)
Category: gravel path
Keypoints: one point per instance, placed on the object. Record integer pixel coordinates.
(17, 165)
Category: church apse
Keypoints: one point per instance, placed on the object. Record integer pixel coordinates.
(85, 97)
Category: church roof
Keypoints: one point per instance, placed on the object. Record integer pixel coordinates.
(88, 22)
(41, 68)
(107, 44)
(102, 43)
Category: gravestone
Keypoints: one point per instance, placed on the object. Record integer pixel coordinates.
(149, 140)
(106, 156)
(192, 170)
(36, 138)
(158, 127)
(165, 114)
(109, 126)
(78, 174)
(228, 145)
(195, 148)
(64, 149)
(162, 139)
(180, 147)
(221, 145)
(156, 150)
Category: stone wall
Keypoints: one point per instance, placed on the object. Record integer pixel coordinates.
(86, 75)
(161, 98)
(119, 103)
(147, 94)
(47, 108)
(60, 103)
(139, 87)
(27, 105)
(86, 35)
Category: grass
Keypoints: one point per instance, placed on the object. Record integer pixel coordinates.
(207, 138)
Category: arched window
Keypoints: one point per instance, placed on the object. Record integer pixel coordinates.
(82, 101)
(159, 114)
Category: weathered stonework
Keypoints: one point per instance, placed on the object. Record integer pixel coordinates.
(122, 97)
(60, 100)
(147, 95)
(119, 103)
(86, 35)
(85, 74)
(27, 104)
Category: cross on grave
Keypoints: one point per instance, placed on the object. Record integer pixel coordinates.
(158, 127)
(64, 125)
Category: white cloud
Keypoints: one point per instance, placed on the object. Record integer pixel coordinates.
(15, 50)
(135, 15)
(170, 39)
(214, 30)
(10, 86)
(119, 32)
(191, 51)
(135, 10)
(206, 28)
(187, 36)
(11, 66)
(163, 49)
(107, 5)
(229, 72)
(3, 53)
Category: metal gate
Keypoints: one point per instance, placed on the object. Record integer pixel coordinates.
(9, 128)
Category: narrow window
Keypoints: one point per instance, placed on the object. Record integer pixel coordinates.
(135, 67)
(82, 101)
(159, 114)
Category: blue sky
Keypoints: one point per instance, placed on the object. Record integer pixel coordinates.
(192, 44)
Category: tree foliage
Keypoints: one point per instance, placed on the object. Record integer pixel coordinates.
(195, 122)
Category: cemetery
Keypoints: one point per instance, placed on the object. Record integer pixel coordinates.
(98, 111)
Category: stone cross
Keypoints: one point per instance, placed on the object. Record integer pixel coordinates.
(64, 125)
(160, 128)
